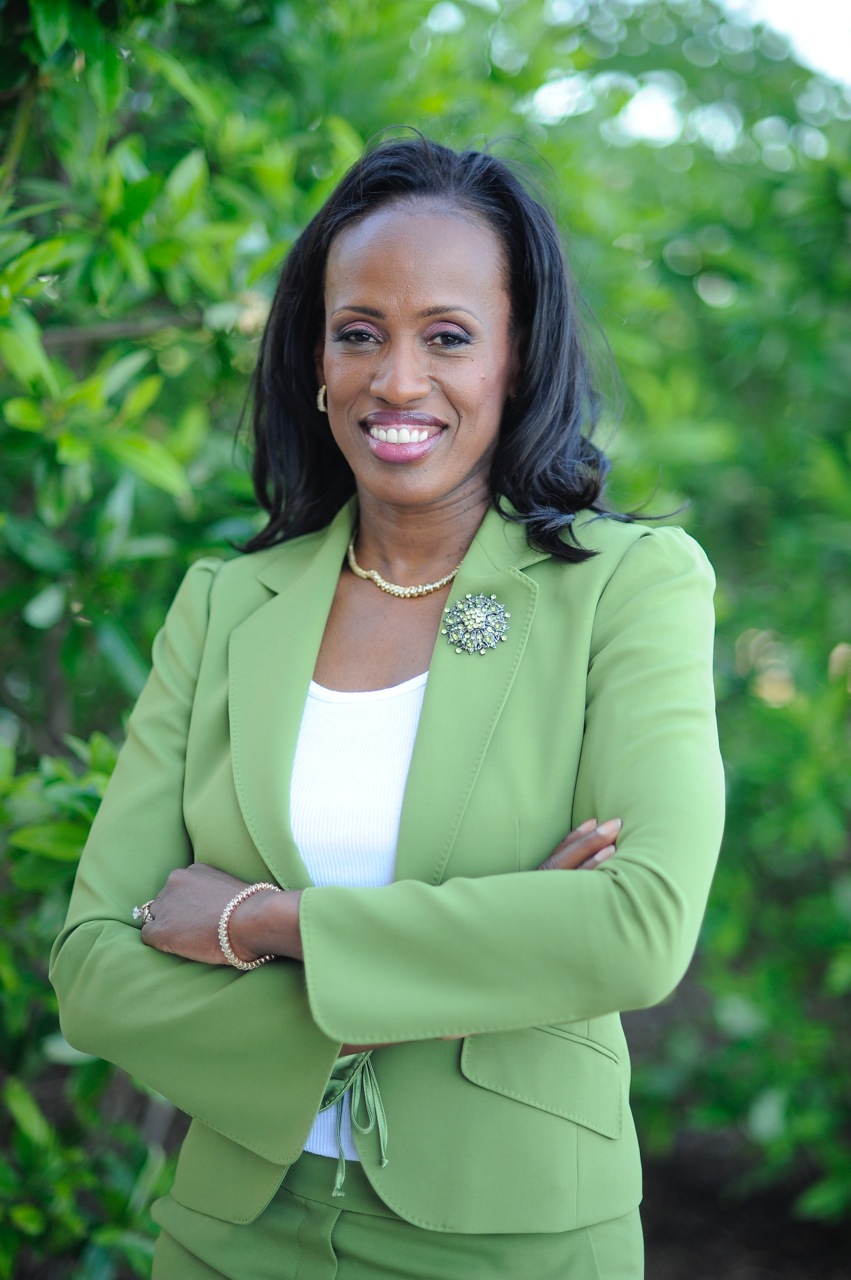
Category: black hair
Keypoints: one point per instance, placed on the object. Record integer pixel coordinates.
(545, 463)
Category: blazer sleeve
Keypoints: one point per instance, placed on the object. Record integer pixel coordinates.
(215, 1045)
(414, 961)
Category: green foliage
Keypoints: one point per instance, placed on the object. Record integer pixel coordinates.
(157, 161)
(70, 1185)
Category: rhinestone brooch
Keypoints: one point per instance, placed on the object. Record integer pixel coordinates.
(475, 624)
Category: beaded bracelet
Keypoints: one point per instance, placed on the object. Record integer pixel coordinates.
(224, 937)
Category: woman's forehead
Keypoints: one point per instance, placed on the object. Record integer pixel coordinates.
(422, 236)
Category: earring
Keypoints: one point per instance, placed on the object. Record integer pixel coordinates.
(321, 402)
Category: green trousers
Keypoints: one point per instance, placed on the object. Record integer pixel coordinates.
(307, 1234)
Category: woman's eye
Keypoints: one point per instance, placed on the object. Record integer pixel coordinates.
(356, 337)
(449, 338)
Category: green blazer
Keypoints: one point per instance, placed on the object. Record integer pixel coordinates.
(599, 703)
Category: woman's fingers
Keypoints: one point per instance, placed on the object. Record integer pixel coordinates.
(585, 847)
(185, 913)
(597, 858)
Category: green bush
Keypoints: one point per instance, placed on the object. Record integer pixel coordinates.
(157, 161)
(73, 1182)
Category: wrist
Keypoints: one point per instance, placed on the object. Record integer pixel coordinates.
(267, 924)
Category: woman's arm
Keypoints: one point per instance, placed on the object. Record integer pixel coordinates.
(415, 961)
(184, 916)
(218, 1044)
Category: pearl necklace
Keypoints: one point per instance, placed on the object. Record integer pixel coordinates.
(392, 588)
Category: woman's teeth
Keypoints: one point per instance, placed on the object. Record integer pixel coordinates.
(402, 436)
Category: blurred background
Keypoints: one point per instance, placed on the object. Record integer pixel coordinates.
(157, 159)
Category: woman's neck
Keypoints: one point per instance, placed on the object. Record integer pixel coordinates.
(411, 545)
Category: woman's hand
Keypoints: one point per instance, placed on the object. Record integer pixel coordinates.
(585, 847)
(187, 910)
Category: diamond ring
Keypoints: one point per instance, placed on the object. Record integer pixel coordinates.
(144, 912)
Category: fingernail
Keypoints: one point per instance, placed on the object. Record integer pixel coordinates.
(610, 828)
(587, 826)
(603, 854)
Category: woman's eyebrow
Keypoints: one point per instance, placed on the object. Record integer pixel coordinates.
(377, 314)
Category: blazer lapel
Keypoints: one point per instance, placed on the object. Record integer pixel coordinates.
(464, 697)
(271, 659)
(272, 656)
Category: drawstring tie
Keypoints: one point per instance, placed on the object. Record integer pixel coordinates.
(355, 1074)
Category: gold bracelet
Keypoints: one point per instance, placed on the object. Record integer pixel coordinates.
(224, 937)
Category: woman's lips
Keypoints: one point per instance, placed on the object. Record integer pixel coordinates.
(400, 436)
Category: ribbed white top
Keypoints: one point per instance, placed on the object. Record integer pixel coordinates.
(351, 765)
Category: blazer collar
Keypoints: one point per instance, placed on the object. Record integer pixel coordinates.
(502, 541)
(272, 656)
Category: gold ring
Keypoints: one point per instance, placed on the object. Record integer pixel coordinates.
(144, 912)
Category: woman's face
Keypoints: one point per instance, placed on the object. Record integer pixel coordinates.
(418, 353)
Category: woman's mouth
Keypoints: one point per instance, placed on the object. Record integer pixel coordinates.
(401, 436)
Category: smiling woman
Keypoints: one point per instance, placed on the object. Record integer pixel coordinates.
(419, 318)
(360, 745)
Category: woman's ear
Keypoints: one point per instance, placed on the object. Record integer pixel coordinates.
(319, 360)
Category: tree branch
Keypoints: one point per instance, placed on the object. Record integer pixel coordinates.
(111, 330)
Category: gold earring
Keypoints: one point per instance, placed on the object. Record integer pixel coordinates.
(321, 402)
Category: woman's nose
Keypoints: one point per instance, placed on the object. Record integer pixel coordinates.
(400, 375)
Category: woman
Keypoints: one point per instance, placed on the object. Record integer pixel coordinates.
(292, 790)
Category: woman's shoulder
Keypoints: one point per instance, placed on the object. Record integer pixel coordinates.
(634, 560)
(615, 540)
(627, 556)
(280, 560)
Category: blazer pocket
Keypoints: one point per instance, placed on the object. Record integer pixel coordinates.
(552, 1070)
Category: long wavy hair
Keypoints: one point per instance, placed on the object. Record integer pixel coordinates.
(545, 463)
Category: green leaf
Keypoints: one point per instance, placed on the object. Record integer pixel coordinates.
(826, 1199)
(766, 1120)
(8, 1180)
(44, 610)
(222, 315)
(107, 278)
(116, 518)
(107, 78)
(72, 451)
(838, 977)
(41, 259)
(13, 244)
(103, 753)
(140, 398)
(35, 545)
(149, 460)
(119, 374)
(175, 74)
(59, 841)
(28, 1219)
(190, 432)
(26, 1113)
(30, 211)
(132, 259)
(22, 351)
(25, 414)
(87, 31)
(138, 198)
(50, 20)
(10, 973)
(187, 183)
(122, 655)
(154, 547)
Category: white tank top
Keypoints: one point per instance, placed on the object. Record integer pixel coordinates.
(351, 765)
